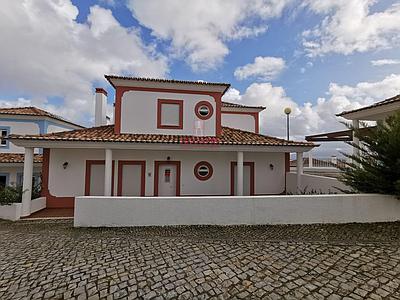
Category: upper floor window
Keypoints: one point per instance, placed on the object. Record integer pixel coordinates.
(203, 110)
(3, 137)
(170, 114)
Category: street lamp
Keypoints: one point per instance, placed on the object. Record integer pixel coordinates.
(287, 111)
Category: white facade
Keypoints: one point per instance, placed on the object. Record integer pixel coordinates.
(144, 153)
(139, 113)
(18, 127)
(25, 125)
(267, 179)
(240, 121)
(29, 125)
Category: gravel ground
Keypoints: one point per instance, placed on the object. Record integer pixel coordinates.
(51, 259)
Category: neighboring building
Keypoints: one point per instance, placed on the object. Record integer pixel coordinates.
(170, 138)
(376, 112)
(25, 120)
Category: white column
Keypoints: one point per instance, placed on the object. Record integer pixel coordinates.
(108, 173)
(27, 183)
(310, 159)
(356, 125)
(299, 169)
(239, 175)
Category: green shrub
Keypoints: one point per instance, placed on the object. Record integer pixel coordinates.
(13, 194)
(10, 194)
(377, 168)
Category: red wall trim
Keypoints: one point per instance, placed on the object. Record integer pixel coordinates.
(157, 164)
(255, 115)
(121, 164)
(52, 201)
(160, 102)
(196, 170)
(120, 90)
(287, 162)
(88, 172)
(252, 176)
(287, 169)
(203, 103)
(101, 90)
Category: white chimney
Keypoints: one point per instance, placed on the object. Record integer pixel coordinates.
(100, 113)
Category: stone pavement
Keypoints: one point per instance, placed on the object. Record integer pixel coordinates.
(53, 260)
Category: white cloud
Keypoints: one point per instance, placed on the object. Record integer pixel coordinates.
(265, 68)
(311, 118)
(348, 26)
(199, 30)
(384, 62)
(45, 52)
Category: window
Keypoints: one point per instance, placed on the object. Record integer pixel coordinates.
(3, 180)
(36, 179)
(203, 110)
(3, 137)
(170, 114)
(203, 170)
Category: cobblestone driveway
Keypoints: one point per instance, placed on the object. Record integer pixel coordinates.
(51, 259)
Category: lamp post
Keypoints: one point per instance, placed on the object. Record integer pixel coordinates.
(287, 111)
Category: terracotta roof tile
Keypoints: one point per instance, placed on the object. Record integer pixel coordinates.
(109, 77)
(33, 111)
(384, 102)
(229, 136)
(17, 158)
(236, 105)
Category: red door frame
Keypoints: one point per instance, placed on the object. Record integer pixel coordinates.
(157, 165)
(121, 164)
(89, 164)
(252, 176)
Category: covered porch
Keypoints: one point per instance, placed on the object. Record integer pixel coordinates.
(98, 162)
(221, 173)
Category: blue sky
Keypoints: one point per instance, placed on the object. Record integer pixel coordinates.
(319, 57)
(282, 39)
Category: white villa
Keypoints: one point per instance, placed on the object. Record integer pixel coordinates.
(25, 120)
(170, 138)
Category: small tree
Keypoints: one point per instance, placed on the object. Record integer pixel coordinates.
(377, 168)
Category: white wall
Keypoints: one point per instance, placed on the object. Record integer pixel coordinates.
(38, 204)
(319, 184)
(13, 211)
(71, 181)
(10, 212)
(303, 209)
(239, 121)
(139, 113)
(19, 128)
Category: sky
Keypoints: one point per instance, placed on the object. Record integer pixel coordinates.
(319, 57)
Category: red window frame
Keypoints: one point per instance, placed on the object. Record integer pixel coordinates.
(160, 102)
(197, 167)
(210, 109)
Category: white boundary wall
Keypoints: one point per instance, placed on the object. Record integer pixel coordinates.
(319, 184)
(10, 212)
(224, 210)
(13, 211)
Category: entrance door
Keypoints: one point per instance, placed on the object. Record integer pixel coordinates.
(131, 178)
(167, 178)
(94, 178)
(248, 178)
